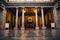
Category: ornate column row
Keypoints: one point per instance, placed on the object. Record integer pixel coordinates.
(16, 24)
(36, 15)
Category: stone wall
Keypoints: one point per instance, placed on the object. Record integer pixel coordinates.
(58, 14)
(1, 13)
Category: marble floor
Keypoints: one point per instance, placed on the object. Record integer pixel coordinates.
(47, 34)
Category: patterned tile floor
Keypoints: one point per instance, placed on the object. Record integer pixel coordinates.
(48, 34)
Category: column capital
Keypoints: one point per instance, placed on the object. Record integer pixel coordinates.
(35, 10)
(42, 7)
(23, 7)
(54, 7)
(36, 7)
(16, 7)
(23, 10)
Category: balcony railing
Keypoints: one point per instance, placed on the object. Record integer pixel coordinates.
(17, 1)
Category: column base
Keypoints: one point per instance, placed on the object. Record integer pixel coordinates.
(15, 28)
(43, 27)
(53, 27)
(37, 28)
(22, 28)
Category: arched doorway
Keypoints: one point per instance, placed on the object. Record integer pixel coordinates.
(29, 18)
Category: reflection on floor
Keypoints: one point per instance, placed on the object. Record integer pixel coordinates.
(48, 34)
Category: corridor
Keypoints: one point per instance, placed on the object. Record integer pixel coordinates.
(48, 34)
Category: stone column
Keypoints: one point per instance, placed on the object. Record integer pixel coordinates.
(22, 18)
(36, 15)
(42, 13)
(16, 23)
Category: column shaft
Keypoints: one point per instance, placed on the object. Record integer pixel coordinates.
(16, 18)
(42, 17)
(36, 15)
(36, 18)
(23, 17)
